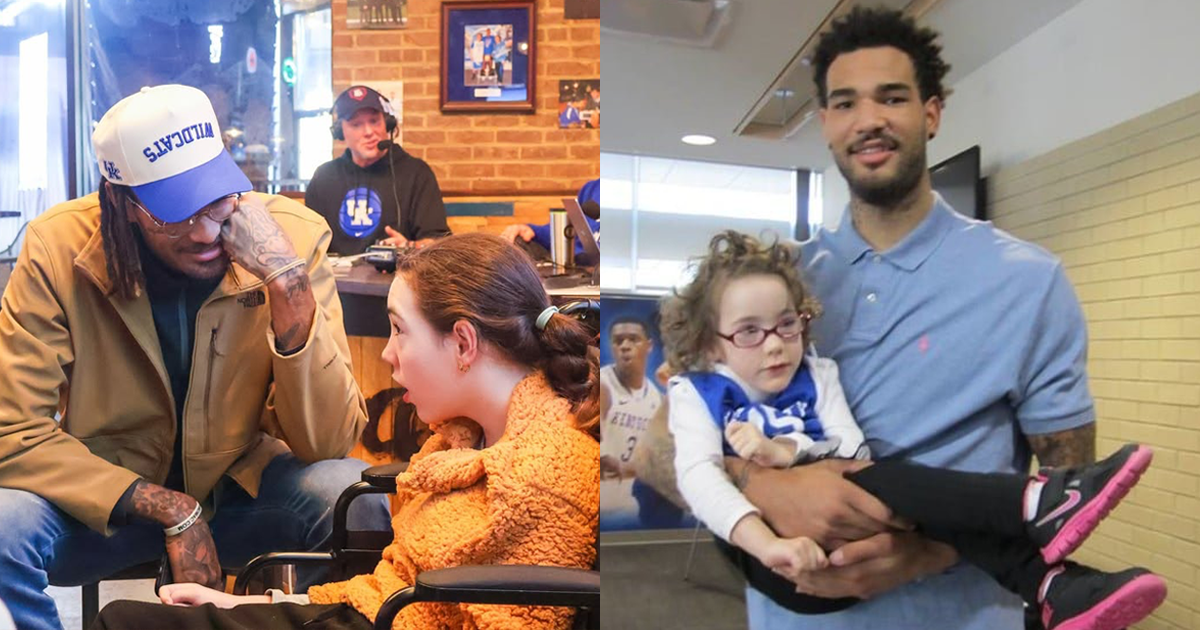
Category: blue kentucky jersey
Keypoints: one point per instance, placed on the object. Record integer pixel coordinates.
(794, 410)
(360, 212)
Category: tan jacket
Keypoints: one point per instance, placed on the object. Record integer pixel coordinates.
(61, 335)
(531, 498)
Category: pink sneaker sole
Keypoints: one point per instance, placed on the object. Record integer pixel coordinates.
(1126, 606)
(1084, 522)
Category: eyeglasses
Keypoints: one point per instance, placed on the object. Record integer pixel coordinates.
(788, 328)
(218, 212)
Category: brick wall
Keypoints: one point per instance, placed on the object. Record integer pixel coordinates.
(495, 155)
(1122, 210)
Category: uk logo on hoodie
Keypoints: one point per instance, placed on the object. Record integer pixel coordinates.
(360, 212)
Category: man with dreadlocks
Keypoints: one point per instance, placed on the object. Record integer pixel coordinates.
(173, 369)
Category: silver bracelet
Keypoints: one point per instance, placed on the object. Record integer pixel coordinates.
(185, 524)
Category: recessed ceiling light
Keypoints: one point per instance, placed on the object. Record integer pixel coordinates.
(699, 140)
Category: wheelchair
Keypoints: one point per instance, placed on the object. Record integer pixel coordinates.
(358, 552)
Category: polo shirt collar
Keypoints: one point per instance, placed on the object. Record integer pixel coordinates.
(911, 251)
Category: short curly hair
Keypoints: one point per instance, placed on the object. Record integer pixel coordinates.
(688, 317)
(877, 27)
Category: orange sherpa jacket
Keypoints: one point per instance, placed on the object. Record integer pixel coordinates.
(531, 498)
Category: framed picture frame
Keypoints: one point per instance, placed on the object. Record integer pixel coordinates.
(489, 56)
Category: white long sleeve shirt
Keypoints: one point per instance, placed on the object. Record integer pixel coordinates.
(699, 442)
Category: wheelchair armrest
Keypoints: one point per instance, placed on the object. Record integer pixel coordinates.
(278, 557)
(520, 585)
(384, 476)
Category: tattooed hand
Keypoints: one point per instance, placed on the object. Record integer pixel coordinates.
(254, 240)
(193, 554)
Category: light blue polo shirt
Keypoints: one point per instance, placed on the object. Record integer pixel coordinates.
(951, 345)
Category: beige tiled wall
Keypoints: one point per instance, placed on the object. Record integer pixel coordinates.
(1122, 210)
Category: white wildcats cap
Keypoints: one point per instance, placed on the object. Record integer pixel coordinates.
(164, 142)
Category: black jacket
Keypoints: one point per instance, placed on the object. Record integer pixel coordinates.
(358, 202)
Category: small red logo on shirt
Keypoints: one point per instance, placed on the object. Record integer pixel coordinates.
(923, 344)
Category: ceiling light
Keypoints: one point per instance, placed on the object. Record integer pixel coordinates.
(699, 140)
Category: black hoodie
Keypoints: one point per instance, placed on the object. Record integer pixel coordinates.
(357, 202)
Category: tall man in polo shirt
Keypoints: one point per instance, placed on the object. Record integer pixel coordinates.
(190, 334)
(959, 345)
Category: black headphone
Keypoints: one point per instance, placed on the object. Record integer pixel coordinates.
(389, 116)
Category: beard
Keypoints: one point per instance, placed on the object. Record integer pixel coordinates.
(209, 270)
(885, 192)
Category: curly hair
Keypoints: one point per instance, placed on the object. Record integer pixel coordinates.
(876, 27)
(493, 285)
(688, 317)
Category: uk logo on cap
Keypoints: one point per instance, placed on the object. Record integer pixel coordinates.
(165, 143)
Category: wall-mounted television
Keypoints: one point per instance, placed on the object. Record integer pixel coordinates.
(957, 180)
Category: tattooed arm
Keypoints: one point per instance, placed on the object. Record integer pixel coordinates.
(292, 309)
(1073, 447)
(193, 554)
(255, 241)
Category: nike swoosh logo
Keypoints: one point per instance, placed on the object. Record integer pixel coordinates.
(1073, 497)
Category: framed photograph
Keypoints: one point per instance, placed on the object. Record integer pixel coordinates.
(579, 104)
(376, 14)
(488, 56)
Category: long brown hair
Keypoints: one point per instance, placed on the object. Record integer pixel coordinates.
(121, 256)
(494, 286)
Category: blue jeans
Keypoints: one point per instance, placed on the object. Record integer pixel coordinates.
(42, 545)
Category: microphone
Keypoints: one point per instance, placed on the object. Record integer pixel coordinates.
(591, 209)
(384, 145)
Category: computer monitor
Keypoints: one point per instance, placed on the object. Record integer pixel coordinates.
(582, 229)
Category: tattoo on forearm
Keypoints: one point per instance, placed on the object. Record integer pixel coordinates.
(297, 284)
(285, 341)
(159, 504)
(1073, 447)
(195, 556)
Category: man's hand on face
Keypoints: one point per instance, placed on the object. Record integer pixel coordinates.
(816, 501)
(254, 240)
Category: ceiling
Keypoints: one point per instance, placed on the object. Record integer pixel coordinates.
(659, 90)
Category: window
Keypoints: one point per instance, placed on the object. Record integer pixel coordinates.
(660, 213)
(264, 64)
(34, 161)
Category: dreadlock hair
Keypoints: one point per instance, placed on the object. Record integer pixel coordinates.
(688, 317)
(877, 27)
(121, 256)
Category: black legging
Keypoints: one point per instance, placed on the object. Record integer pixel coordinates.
(979, 514)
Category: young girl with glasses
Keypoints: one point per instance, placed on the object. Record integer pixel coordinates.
(747, 388)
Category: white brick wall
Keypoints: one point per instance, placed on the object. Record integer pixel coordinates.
(1122, 210)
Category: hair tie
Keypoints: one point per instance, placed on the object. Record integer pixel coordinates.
(544, 317)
